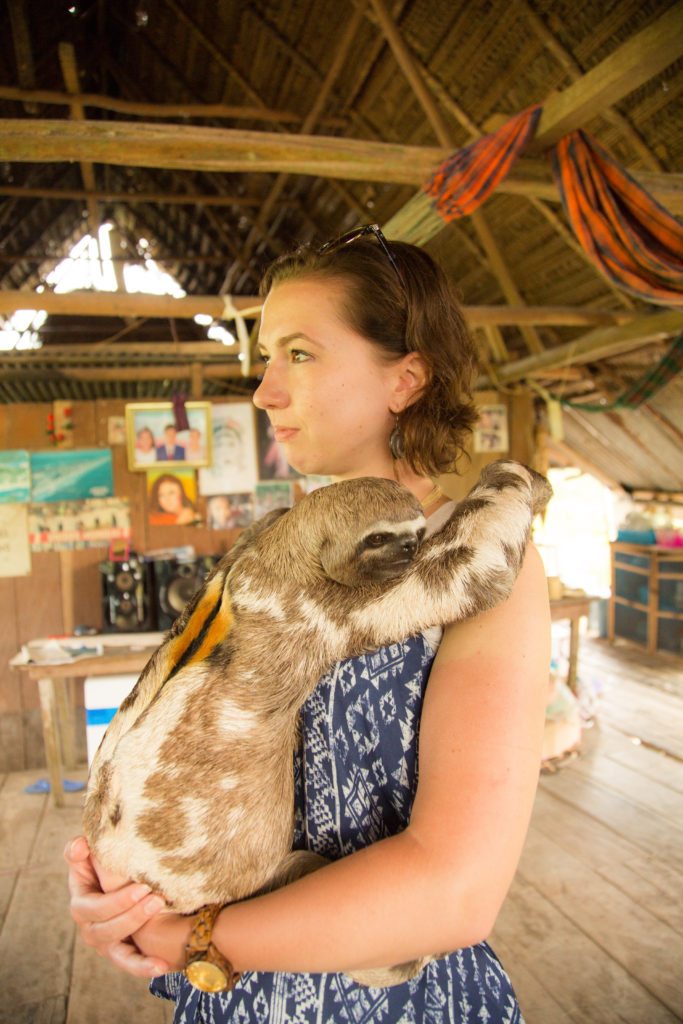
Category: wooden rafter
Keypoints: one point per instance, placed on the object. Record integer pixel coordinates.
(122, 304)
(213, 111)
(194, 148)
(631, 65)
(67, 60)
(162, 198)
(600, 343)
(23, 51)
(310, 122)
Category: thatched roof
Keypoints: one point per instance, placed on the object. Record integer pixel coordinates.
(226, 132)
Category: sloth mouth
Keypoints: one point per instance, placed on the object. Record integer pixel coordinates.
(389, 569)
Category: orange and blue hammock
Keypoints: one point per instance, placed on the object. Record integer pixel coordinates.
(630, 238)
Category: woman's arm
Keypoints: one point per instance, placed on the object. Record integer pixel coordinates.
(439, 885)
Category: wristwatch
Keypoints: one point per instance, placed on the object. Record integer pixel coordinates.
(205, 967)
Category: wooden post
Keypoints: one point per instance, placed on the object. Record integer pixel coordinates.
(46, 690)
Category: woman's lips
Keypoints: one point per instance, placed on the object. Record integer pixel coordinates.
(284, 433)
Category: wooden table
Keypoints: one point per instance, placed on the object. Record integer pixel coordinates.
(56, 707)
(572, 607)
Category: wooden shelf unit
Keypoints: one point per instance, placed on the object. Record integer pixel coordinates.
(656, 575)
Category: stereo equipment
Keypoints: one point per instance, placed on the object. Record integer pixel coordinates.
(127, 595)
(176, 582)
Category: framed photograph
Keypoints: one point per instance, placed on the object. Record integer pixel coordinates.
(153, 439)
(229, 511)
(491, 429)
(234, 469)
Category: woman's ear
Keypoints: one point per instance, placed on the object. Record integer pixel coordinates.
(412, 377)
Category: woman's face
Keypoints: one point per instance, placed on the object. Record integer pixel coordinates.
(326, 390)
(145, 440)
(169, 497)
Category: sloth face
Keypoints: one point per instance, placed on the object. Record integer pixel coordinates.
(381, 553)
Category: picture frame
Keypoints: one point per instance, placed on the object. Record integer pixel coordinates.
(152, 440)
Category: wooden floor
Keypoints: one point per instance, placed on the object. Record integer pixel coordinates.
(592, 930)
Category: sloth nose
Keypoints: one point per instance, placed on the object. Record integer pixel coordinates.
(409, 545)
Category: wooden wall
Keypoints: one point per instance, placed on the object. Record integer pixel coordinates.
(63, 589)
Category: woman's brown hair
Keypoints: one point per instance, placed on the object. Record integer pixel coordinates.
(414, 312)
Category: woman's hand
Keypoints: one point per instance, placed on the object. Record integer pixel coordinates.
(107, 920)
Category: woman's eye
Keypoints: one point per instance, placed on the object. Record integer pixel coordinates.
(298, 355)
(264, 358)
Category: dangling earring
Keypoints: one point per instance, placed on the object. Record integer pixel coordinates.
(396, 442)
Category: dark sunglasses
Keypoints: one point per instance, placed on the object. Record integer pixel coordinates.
(362, 232)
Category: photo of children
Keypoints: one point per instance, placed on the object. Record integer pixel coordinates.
(229, 511)
(172, 498)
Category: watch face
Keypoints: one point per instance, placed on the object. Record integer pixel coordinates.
(205, 976)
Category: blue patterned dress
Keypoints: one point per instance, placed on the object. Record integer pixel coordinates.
(356, 775)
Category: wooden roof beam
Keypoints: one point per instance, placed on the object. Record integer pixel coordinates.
(22, 51)
(163, 198)
(79, 303)
(601, 343)
(631, 65)
(213, 111)
(310, 122)
(496, 261)
(575, 72)
(67, 60)
(194, 148)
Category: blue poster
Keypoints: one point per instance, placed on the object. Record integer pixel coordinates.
(63, 475)
(15, 477)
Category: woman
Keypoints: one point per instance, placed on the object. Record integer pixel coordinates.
(368, 372)
(169, 505)
(145, 446)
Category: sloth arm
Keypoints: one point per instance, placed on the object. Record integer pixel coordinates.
(438, 885)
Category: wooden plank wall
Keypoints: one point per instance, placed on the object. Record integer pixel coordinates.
(63, 589)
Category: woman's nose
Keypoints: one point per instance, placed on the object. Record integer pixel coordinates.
(270, 394)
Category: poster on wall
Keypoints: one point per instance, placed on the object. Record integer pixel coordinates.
(15, 554)
(74, 475)
(172, 497)
(73, 525)
(269, 496)
(234, 469)
(491, 429)
(15, 477)
(272, 461)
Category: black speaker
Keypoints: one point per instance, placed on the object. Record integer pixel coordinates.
(176, 582)
(127, 589)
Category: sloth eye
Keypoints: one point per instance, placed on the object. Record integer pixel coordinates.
(377, 540)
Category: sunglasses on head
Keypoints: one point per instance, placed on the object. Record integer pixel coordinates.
(362, 232)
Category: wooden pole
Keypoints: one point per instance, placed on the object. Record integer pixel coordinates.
(162, 306)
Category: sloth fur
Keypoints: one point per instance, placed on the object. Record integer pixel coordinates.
(192, 787)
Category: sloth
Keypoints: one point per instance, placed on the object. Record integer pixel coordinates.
(192, 788)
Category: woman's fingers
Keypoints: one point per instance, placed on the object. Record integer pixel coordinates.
(115, 916)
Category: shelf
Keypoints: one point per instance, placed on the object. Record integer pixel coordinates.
(645, 577)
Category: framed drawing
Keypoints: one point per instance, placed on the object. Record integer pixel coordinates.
(153, 440)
